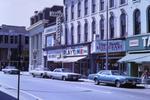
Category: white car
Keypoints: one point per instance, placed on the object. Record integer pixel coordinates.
(64, 74)
(40, 72)
(10, 70)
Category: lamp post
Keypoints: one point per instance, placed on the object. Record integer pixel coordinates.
(19, 66)
(106, 63)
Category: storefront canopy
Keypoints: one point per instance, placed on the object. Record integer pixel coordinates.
(138, 58)
(70, 59)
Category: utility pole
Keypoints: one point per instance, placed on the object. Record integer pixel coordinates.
(19, 66)
(106, 63)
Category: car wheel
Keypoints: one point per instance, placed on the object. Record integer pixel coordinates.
(33, 75)
(96, 81)
(64, 78)
(118, 84)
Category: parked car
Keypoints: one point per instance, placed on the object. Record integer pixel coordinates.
(114, 77)
(64, 74)
(39, 72)
(10, 70)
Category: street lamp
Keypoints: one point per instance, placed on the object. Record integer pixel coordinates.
(106, 63)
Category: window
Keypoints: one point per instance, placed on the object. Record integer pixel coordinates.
(137, 22)
(79, 9)
(122, 2)
(148, 19)
(26, 40)
(79, 32)
(72, 11)
(6, 38)
(1, 38)
(66, 35)
(123, 24)
(93, 6)
(72, 34)
(101, 4)
(16, 39)
(111, 26)
(111, 3)
(86, 31)
(11, 39)
(93, 28)
(66, 14)
(85, 7)
(49, 40)
(102, 28)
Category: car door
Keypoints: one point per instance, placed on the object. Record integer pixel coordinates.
(102, 76)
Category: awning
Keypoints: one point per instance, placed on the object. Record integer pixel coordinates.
(143, 59)
(135, 57)
(70, 59)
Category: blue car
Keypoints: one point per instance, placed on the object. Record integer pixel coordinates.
(114, 77)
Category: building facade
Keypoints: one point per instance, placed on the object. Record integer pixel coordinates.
(9, 44)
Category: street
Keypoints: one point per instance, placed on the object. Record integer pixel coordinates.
(48, 89)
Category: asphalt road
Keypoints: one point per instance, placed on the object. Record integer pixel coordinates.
(47, 89)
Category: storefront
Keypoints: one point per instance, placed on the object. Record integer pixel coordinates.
(116, 50)
(75, 58)
(138, 54)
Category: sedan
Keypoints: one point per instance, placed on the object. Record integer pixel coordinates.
(114, 77)
(10, 70)
(64, 74)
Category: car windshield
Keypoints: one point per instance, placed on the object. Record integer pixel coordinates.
(10, 67)
(66, 70)
(115, 72)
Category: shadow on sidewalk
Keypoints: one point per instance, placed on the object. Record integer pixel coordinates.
(4, 96)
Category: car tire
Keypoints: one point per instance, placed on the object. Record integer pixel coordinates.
(64, 78)
(33, 75)
(96, 81)
(118, 84)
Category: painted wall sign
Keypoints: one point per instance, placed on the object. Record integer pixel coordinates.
(113, 46)
(74, 51)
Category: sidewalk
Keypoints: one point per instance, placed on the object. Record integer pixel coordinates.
(4, 96)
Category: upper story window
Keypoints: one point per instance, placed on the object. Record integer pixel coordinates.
(1, 38)
(93, 6)
(101, 4)
(79, 9)
(111, 3)
(86, 31)
(122, 2)
(111, 26)
(66, 35)
(11, 39)
(93, 28)
(148, 20)
(102, 28)
(72, 11)
(66, 14)
(6, 38)
(79, 33)
(26, 40)
(137, 22)
(123, 24)
(85, 7)
(72, 34)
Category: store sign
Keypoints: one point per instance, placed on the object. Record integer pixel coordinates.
(134, 42)
(50, 29)
(113, 46)
(146, 41)
(54, 55)
(75, 51)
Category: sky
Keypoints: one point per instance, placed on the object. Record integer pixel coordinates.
(18, 12)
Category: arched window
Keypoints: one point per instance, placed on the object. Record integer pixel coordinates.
(66, 35)
(123, 24)
(93, 28)
(72, 11)
(137, 22)
(102, 28)
(86, 31)
(148, 19)
(79, 32)
(111, 3)
(111, 26)
(93, 6)
(79, 9)
(85, 7)
(72, 34)
(101, 4)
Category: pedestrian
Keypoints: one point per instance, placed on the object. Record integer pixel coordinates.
(145, 76)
